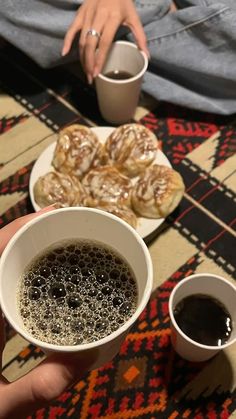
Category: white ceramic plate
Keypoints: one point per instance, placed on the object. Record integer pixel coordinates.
(146, 226)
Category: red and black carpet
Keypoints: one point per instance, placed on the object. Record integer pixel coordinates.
(147, 379)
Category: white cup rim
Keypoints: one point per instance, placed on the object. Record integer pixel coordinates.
(130, 79)
(106, 339)
(172, 317)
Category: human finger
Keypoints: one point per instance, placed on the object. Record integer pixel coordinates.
(90, 51)
(135, 25)
(104, 45)
(41, 385)
(95, 39)
(74, 28)
(87, 46)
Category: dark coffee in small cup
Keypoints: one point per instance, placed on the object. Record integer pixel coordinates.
(204, 319)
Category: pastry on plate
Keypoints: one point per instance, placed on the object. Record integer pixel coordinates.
(131, 148)
(60, 188)
(157, 192)
(78, 149)
(123, 212)
(106, 185)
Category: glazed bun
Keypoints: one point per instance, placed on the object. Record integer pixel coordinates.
(157, 192)
(131, 148)
(78, 150)
(59, 188)
(106, 185)
(123, 212)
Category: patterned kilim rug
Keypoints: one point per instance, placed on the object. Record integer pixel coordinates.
(147, 379)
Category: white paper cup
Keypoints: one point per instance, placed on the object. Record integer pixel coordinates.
(216, 287)
(74, 223)
(118, 99)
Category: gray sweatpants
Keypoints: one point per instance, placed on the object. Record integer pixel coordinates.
(193, 50)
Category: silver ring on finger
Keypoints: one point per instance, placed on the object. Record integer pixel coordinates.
(93, 32)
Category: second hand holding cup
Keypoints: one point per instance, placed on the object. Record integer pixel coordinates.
(118, 99)
(67, 224)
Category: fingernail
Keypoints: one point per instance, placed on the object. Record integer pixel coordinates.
(95, 73)
(64, 52)
(90, 79)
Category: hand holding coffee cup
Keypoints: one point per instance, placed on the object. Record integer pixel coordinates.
(202, 311)
(62, 269)
(118, 85)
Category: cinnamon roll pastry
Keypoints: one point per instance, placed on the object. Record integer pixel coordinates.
(123, 212)
(131, 148)
(106, 185)
(157, 192)
(55, 187)
(78, 149)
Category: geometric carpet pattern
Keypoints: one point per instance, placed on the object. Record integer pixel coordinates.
(147, 379)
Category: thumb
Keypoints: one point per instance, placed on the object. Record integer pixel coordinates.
(41, 385)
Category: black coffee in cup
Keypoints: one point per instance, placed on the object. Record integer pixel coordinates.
(204, 319)
(76, 292)
(118, 75)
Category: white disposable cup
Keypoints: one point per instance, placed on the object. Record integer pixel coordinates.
(215, 286)
(118, 99)
(74, 223)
